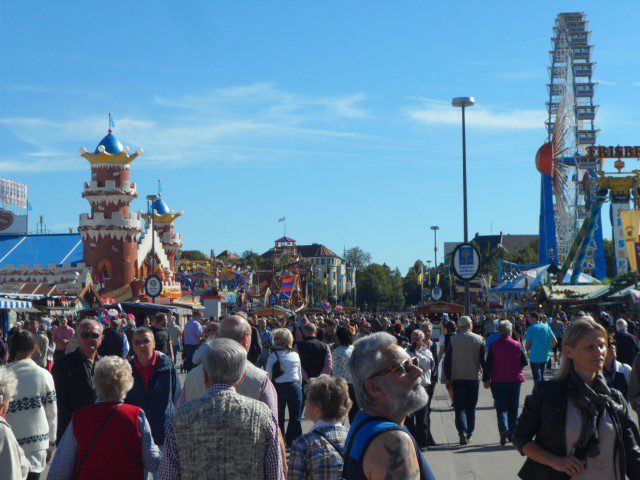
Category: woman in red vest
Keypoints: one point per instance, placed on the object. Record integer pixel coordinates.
(108, 440)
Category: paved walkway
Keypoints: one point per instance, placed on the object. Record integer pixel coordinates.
(484, 457)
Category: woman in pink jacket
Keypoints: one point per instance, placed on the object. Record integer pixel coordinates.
(503, 374)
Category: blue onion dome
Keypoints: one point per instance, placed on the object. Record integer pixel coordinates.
(111, 145)
(160, 207)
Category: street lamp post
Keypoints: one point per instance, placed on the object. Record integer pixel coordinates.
(435, 229)
(150, 200)
(428, 272)
(464, 102)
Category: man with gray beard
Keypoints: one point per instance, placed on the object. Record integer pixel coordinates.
(388, 387)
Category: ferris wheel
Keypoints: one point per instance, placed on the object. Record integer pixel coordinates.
(570, 129)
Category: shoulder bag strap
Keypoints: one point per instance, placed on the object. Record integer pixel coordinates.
(347, 450)
(326, 437)
(76, 472)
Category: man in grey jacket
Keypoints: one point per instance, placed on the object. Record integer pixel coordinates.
(463, 364)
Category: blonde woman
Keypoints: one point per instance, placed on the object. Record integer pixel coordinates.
(285, 371)
(575, 425)
(109, 439)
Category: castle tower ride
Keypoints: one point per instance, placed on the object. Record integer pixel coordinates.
(110, 232)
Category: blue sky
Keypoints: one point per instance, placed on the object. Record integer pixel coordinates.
(334, 114)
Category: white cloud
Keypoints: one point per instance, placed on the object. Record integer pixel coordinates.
(267, 99)
(435, 112)
(253, 123)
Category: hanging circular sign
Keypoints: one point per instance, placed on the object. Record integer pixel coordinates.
(465, 261)
(153, 286)
(436, 293)
(273, 299)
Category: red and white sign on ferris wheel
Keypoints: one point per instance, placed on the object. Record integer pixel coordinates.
(13, 193)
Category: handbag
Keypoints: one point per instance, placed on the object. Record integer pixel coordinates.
(76, 472)
(276, 370)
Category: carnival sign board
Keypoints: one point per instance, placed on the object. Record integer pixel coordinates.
(12, 224)
(436, 293)
(153, 286)
(613, 152)
(465, 261)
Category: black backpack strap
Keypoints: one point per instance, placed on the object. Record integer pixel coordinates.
(347, 450)
(76, 472)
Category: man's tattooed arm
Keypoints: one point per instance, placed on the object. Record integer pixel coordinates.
(401, 461)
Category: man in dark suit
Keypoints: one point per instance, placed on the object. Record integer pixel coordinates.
(627, 345)
(73, 373)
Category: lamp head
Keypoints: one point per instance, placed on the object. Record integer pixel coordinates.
(435, 227)
(463, 102)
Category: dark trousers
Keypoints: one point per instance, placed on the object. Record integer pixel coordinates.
(427, 419)
(33, 476)
(506, 396)
(57, 354)
(354, 403)
(290, 395)
(537, 371)
(465, 399)
(416, 426)
(187, 357)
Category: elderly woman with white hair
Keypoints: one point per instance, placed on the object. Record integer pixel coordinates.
(503, 374)
(109, 439)
(14, 464)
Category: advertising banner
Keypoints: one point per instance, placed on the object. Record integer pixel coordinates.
(12, 224)
(630, 219)
(618, 238)
(13, 193)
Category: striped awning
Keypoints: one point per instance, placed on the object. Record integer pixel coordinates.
(11, 304)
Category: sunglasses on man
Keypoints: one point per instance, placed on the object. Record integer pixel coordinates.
(404, 367)
(93, 335)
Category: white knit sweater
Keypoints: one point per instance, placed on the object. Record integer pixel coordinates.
(33, 412)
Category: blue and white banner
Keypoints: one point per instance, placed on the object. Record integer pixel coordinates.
(11, 304)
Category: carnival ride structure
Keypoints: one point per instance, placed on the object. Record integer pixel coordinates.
(569, 177)
(284, 283)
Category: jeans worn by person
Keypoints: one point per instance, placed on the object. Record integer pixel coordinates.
(507, 397)
(465, 399)
(537, 370)
(290, 395)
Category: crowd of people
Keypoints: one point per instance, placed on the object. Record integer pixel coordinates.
(102, 397)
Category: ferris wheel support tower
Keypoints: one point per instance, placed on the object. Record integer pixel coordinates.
(568, 176)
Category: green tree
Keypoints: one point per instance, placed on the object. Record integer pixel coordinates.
(411, 285)
(527, 255)
(255, 260)
(380, 287)
(358, 258)
(320, 291)
(396, 302)
(193, 255)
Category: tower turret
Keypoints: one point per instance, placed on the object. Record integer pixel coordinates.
(110, 231)
(163, 218)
